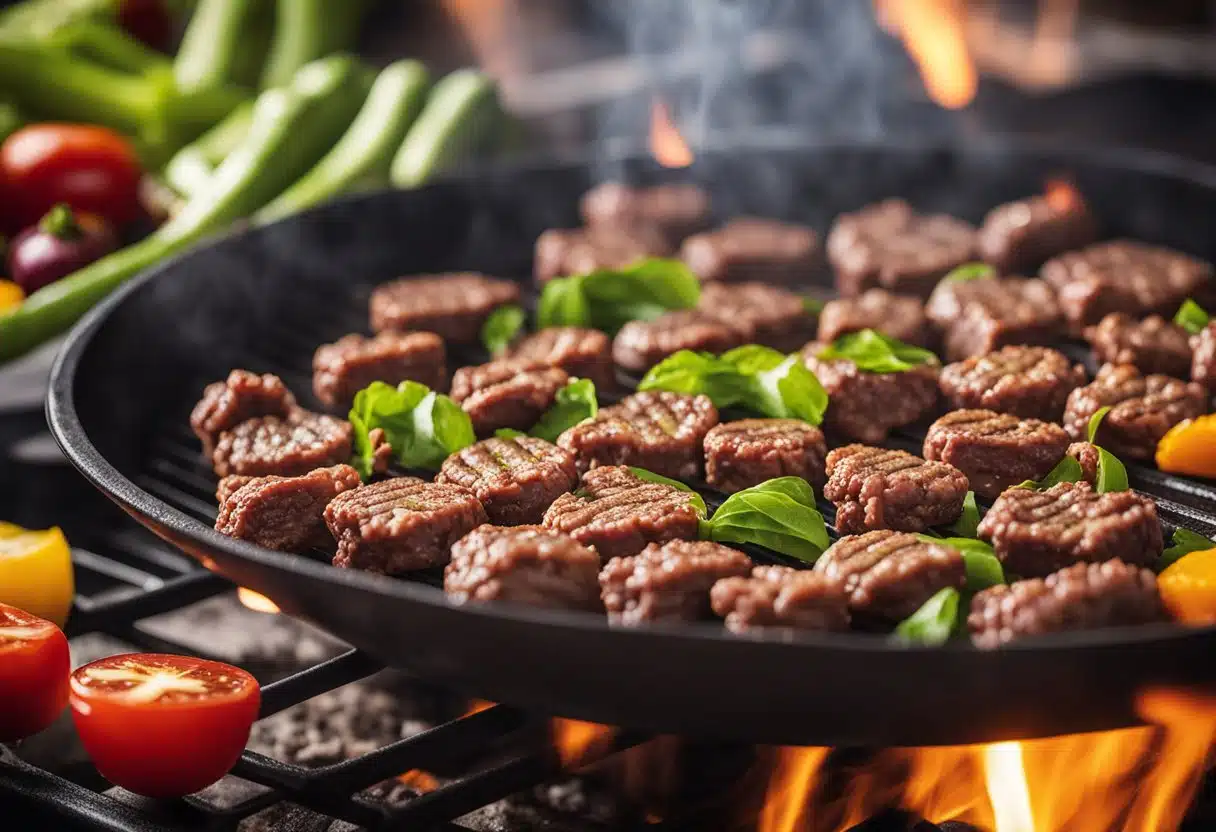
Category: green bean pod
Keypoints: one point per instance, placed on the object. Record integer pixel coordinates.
(460, 117)
(191, 167)
(306, 30)
(211, 45)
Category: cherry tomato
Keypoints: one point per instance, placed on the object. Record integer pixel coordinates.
(148, 21)
(161, 725)
(92, 169)
(34, 668)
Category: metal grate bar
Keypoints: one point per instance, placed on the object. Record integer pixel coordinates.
(173, 594)
(115, 569)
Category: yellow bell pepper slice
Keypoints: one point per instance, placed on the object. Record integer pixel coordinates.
(1189, 448)
(1188, 587)
(11, 295)
(36, 572)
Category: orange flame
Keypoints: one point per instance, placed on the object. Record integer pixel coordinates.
(579, 743)
(256, 601)
(934, 34)
(423, 782)
(1061, 195)
(666, 144)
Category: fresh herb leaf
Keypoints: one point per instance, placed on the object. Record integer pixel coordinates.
(607, 299)
(422, 426)
(932, 624)
(501, 327)
(1183, 542)
(969, 271)
(1095, 421)
(983, 567)
(574, 403)
(1066, 470)
(1112, 476)
(698, 502)
(874, 352)
(812, 306)
(509, 433)
(779, 514)
(967, 525)
(1192, 317)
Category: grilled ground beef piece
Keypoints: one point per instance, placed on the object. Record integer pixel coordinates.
(890, 246)
(749, 248)
(561, 252)
(769, 315)
(675, 211)
(1153, 345)
(516, 479)
(1127, 276)
(1034, 533)
(978, 316)
(343, 368)
(1203, 366)
(777, 597)
(1083, 596)
(1142, 409)
(618, 514)
(874, 488)
(240, 397)
(741, 454)
(899, 317)
(867, 406)
(656, 430)
(668, 581)
(524, 565)
(887, 575)
(1022, 234)
(288, 447)
(995, 450)
(229, 485)
(452, 305)
(1087, 457)
(283, 513)
(641, 344)
(583, 353)
(1031, 382)
(401, 524)
(506, 393)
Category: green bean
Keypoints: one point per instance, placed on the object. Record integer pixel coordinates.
(193, 165)
(460, 114)
(211, 44)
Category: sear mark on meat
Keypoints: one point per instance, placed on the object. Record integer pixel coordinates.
(777, 598)
(876, 488)
(668, 581)
(515, 479)
(283, 513)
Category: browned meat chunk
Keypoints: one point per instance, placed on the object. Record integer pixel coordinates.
(768, 315)
(749, 248)
(1087, 457)
(523, 565)
(874, 488)
(887, 575)
(282, 447)
(229, 485)
(1083, 596)
(618, 514)
(400, 525)
(741, 454)
(283, 513)
(516, 479)
(242, 396)
(995, 450)
(1203, 366)
(506, 394)
(642, 344)
(1127, 276)
(777, 597)
(1142, 409)
(1031, 382)
(982, 315)
(343, 368)
(1034, 533)
(454, 306)
(897, 316)
(668, 581)
(1153, 345)
(656, 430)
(1022, 234)
(562, 252)
(582, 353)
(674, 210)
(890, 246)
(868, 406)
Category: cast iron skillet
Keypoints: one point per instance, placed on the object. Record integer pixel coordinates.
(263, 299)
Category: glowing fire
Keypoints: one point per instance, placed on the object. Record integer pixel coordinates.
(933, 32)
(420, 781)
(666, 144)
(256, 601)
(578, 743)
(1061, 195)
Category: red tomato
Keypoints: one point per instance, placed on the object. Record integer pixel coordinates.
(34, 668)
(92, 169)
(161, 725)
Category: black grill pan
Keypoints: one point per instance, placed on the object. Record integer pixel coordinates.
(263, 299)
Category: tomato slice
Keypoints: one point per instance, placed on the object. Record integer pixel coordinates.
(34, 668)
(162, 725)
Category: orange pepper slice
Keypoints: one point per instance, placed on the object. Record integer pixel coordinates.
(1190, 448)
(1188, 587)
(11, 295)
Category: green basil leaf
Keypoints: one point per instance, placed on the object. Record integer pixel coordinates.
(969, 271)
(983, 567)
(1112, 476)
(698, 502)
(607, 299)
(1192, 317)
(423, 427)
(812, 306)
(1066, 470)
(1182, 543)
(779, 514)
(792, 392)
(574, 403)
(967, 525)
(874, 352)
(501, 327)
(932, 624)
(563, 303)
(1095, 421)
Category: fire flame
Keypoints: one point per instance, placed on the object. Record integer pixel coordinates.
(933, 32)
(1061, 195)
(420, 781)
(666, 144)
(256, 601)
(578, 743)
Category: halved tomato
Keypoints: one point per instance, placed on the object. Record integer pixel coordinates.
(162, 725)
(34, 668)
